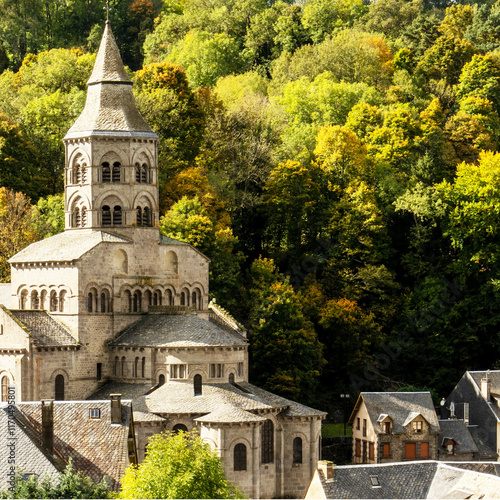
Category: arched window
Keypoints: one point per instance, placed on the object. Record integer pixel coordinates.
(127, 298)
(24, 299)
(136, 368)
(197, 383)
(116, 172)
(231, 378)
(171, 262)
(179, 427)
(137, 306)
(120, 261)
(115, 366)
(297, 450)
(43, 299)
(53, 301)
(240, 457)
(105, 301)
(92, 300)
(106, 216)
(59, 388)
(143, 367)
(117, 215)
(139, 216)
(124, 368)
(267, 442)
(62, 300)
(145, 217)
(34, 300)
(106, 172)
(161, 379)
(84, 217)
(5, 387)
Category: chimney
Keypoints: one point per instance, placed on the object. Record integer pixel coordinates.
(326, 467)
(116, 408)
(48, 425)
(486, 387)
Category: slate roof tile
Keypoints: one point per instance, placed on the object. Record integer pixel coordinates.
(29, 455)
(66, 246)
(44, 329)
(400, 406)
(177, 330)
(97, 447)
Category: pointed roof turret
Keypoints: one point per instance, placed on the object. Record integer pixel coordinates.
(110, 105)
(108, 64)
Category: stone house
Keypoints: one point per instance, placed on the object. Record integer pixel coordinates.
(110, 306)
(394, 426)
(475, 400)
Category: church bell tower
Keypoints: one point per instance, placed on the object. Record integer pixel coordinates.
(111, 154)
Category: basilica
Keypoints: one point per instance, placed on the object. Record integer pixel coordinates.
(110, 306)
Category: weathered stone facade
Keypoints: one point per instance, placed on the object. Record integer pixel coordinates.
(110, 306)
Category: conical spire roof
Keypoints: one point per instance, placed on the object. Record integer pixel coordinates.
(110, 105)
(108, 64)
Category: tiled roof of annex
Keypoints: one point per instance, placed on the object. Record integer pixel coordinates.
(225, 402)
(97, 447)
(66, 246)
(29, 455)
(401, 407)
(43, 329)
(177, 330)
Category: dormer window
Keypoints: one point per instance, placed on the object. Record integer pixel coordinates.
(95, 413)
(417, 426)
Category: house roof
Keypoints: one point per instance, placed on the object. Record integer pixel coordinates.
(97, 447)
(423, 479)
(66, 246)
(397, 480)
(218, 402)
(457, 430)
(110, 106)
(177, 330)
(43, 329)
(29, 455)
(402, 408)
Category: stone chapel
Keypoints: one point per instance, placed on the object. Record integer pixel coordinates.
(110, 306)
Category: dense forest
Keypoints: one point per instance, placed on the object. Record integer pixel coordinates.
(336, 160)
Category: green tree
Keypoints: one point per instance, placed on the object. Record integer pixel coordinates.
(68, 484)
(178, 465)
(391, 17)
(205, 57)
(324, 17)
(286, 354)
(16, 228)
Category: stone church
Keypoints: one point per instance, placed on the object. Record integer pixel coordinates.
(110, 306)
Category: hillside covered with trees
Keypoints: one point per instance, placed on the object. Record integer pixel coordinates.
(337, 161)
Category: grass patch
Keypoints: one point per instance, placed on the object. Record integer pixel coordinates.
(335, 430)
